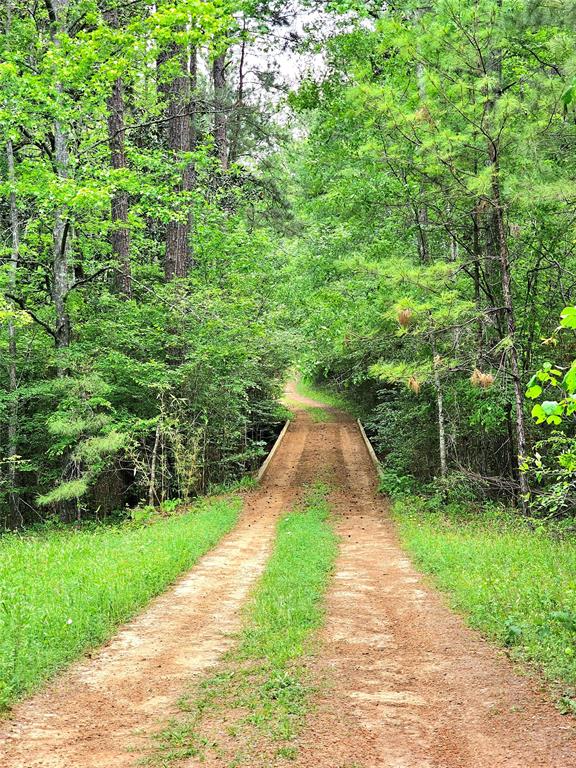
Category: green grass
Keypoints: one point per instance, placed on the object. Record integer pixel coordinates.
(245, 483)
(258, 695)
(516, 585)
(287, 605)
(318, 415)
(326, 395)
(64, 591)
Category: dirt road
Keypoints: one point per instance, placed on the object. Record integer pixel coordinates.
(406, 684)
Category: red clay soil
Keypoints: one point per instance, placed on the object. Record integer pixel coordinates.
(405, 683)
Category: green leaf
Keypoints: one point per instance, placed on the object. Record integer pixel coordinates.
(568, 317)
(569, 380)
(568, 95)
(538, 413)
(71, 489)
(550, 407)
(534, 391)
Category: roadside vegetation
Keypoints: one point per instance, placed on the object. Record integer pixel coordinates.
(64, 591)
(141, 347)
(513, 579)
(256, 698)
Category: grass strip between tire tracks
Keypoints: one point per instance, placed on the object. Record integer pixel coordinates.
(256, 698)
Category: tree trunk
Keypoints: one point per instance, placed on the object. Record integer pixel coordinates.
(120, 236)
(422, 231)
(15, 520)
(191, 179)
(60, 284)
(179, 138)
(236, 119)
(220, 120)
(440, 408)
(501, 241)
(152, 495)
(193, 70)
(422, 221)
(453, 249)
(60, 278)
(506, 278)
(477, 287)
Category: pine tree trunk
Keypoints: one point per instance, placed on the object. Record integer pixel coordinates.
(220, 120)
(506, 279)
(477, 287)
(501, 246)
(120, 236)
(422, 224)
(440, 409)
(15, 519)
(191, 179)
(422, 220)
(179, 139)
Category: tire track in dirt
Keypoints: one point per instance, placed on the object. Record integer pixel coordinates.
(101, 712)
(407, 684)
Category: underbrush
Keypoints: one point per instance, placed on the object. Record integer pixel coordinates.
(257, 696)
(515, 580)
(63, 591)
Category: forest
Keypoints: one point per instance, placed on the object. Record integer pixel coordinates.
(217, 216)
(182, 222)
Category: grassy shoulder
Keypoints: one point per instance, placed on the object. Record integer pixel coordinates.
(256, 698)
(515, 584)
(64, 591)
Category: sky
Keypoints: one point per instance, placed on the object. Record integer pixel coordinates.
(278, 51)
